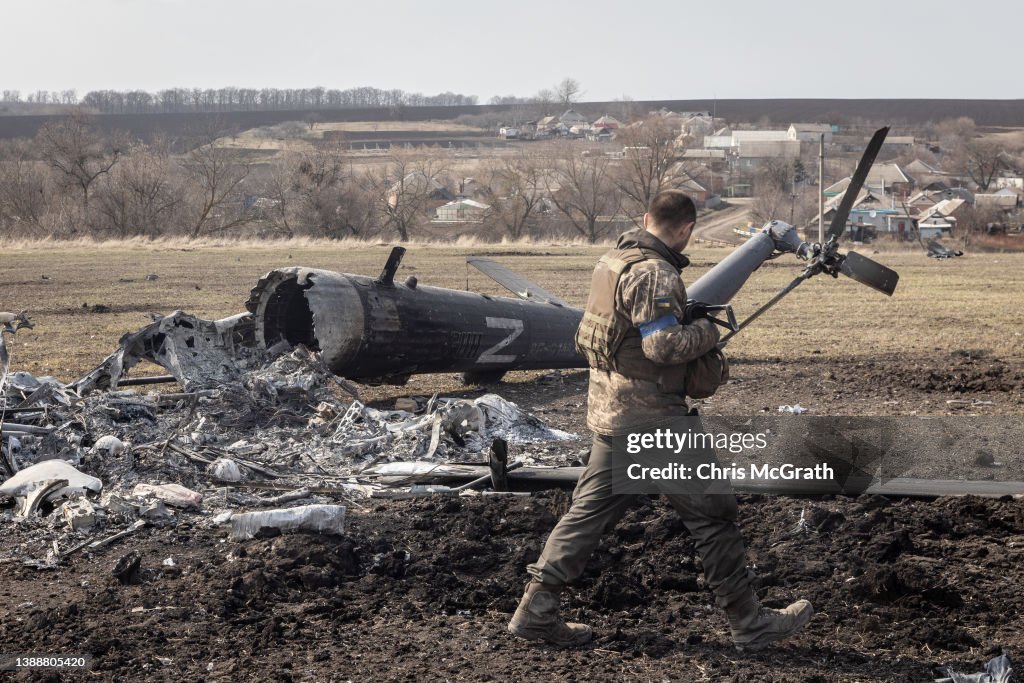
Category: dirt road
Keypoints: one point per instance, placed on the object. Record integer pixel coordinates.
(718, 226)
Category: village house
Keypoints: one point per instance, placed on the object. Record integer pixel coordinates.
(1008, 180)
(810, 132)
(933, 223)
(606, 121)
(1005, 199)
(683, 179)
(873, 213)
(470, 188)
(899, 143)
(547, 124)
(889, 178)
(571, 118)
(714, 159)
(925, 174)
(750, 153)
(461, 211)
(415, 184)
(699, 125)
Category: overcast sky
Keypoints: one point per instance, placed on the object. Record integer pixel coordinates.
(646, 50)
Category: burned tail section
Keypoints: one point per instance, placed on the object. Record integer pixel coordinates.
(382, 330)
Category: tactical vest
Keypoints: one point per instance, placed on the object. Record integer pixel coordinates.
(606, 336)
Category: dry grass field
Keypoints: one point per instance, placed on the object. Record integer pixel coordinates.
(306, 138)
(940, 307)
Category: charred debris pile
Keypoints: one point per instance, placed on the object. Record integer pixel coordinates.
(259, 438)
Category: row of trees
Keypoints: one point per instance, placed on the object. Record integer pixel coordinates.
(71, 180)
(177, 100)
(65, 97)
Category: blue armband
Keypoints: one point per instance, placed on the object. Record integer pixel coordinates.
(666, 321)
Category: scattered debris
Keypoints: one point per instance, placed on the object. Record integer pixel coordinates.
(29, 478)
(984, 458)
(940, 251)
(13, 322)
(80, 514)
(226, 470)
(126, 570)
(411, 404)
(796, 409)
(802, 526)
(118, 536)
(262, 429)
(328, 519)
(109, 445)
(963, 403)
(198, 353)
(31, 501)
(9, 455)
(997, 670)
(174, 495)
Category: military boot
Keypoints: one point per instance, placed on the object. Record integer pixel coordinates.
(537, 618)
(753, 626)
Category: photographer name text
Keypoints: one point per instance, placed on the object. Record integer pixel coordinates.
(712, 472)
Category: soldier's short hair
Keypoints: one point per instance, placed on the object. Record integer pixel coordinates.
(670, 209)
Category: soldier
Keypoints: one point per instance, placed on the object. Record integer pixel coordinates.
(643, 362)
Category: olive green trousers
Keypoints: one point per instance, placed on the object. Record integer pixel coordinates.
(710, 519)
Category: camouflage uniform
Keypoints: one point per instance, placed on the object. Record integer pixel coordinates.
(638, 351)
(640, 356)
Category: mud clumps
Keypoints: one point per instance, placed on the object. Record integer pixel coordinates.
(423, 589)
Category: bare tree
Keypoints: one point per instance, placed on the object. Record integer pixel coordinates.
(977, 219)
(513, 189)
(545, 100)
(216, 175)
(626, 107)
(568, 91)
(325, 191)
(139, 196)
(586, 191)
(358, 210)
(73, 147)
(650, 164)
(279, 189)
(773, 174)
(773, 196)
(951, 132)
(23, 200)
(981, 160)
(770, 203)
(407, 186)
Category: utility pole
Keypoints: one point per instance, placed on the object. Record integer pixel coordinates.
(821, 189)
(792, 193)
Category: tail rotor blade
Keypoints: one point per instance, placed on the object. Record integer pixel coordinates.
(870, 273)
(838, 224)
